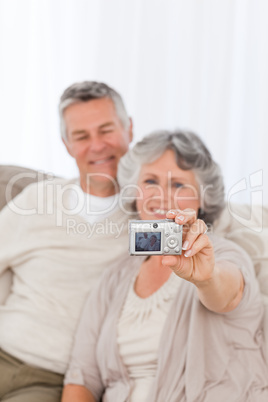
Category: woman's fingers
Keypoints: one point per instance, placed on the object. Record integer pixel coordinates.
(195, 244)
(195, 230)
(182, 217)
(200, 243)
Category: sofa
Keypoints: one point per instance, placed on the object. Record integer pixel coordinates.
(244, 224)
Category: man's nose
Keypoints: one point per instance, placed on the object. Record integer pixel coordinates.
(97, 144)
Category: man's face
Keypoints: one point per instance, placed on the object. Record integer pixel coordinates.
(96, 139)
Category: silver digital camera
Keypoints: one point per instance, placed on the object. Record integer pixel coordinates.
(156, 237)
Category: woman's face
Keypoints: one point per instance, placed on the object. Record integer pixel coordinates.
(153, 240)
(164, 186)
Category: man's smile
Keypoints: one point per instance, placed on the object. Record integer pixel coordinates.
(102, 161)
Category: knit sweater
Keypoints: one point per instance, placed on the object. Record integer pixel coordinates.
(56, 258)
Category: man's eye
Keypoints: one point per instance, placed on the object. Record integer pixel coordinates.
(81, 138)
(110, 130)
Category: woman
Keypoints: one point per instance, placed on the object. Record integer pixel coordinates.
(154, 244)
(173, 328)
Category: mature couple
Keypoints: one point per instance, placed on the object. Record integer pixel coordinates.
(173, 328)
(146, 243)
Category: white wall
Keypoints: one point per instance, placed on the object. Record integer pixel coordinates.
(196, 64)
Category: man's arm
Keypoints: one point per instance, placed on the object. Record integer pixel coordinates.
(76, 393)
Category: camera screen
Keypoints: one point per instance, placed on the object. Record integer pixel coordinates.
(148, 241)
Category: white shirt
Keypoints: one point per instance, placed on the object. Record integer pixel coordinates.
(139, 331)
(144, 242)
(90, 207)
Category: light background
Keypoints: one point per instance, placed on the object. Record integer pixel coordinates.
(195, 64)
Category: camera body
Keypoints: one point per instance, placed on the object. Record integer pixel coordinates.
(155, 237)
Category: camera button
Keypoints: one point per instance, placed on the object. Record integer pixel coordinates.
(167, 234)
(166, 250)
(177, 228)
(172, 242)
(177, 250)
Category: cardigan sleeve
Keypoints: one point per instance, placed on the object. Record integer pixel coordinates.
(251, 304)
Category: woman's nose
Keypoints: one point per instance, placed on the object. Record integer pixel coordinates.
(166, 193)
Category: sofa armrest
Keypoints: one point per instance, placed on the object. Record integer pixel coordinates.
(13, 179)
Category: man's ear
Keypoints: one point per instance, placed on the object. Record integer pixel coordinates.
(130, 129)
(67, 146)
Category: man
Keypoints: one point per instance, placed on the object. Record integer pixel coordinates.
(54, 237)
(144, 242)
(96, 132)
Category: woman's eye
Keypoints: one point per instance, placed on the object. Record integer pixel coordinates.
(150, 181)
(177, 185)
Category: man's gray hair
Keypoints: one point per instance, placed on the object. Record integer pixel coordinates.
(90, 90)
(191, 154)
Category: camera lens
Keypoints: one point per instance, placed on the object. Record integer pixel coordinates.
(155, 225)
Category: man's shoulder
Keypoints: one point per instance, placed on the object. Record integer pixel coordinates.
(50, 181)
(39, 192)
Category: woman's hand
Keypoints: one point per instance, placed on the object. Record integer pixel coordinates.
(220, 286)
(196, 263)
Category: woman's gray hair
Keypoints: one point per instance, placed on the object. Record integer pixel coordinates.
(191, 154)
(90, 90)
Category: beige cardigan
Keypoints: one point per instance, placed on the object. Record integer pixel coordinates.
(203, 356)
